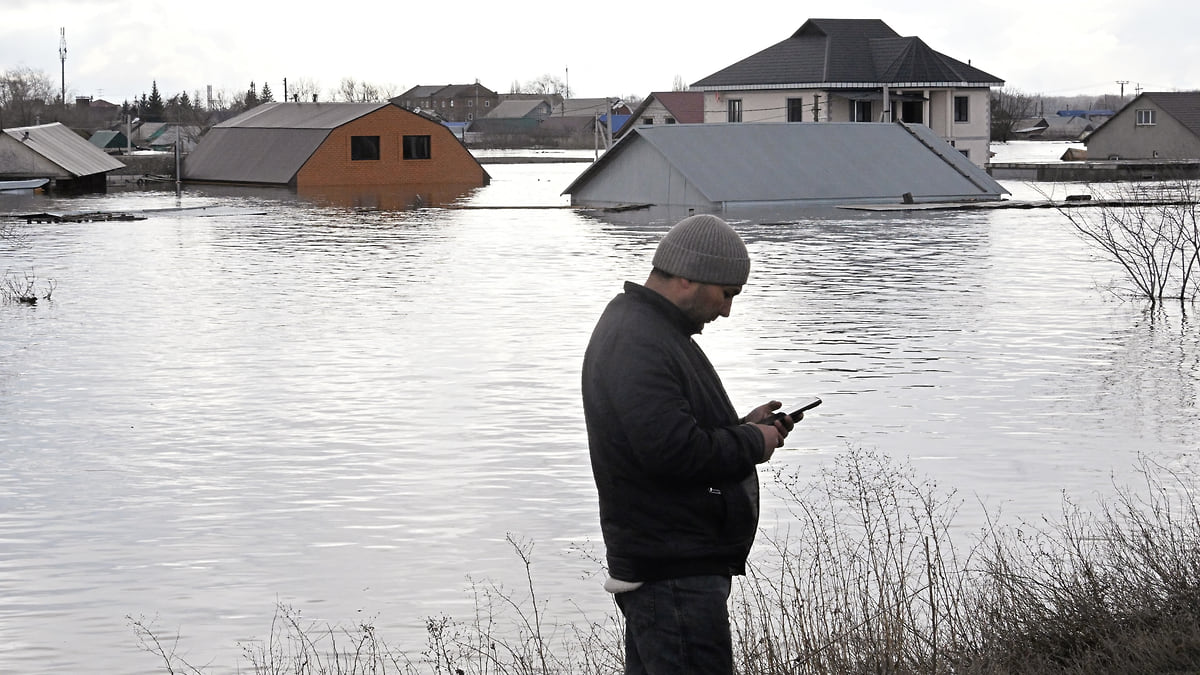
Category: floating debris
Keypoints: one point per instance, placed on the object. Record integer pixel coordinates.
(88, 217)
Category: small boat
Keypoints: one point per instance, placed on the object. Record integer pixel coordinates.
(22, 185)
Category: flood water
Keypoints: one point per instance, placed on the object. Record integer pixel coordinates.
(346, 409)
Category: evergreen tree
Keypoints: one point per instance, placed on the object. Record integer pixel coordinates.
(266, 96)
(154, 110)
(251, 97)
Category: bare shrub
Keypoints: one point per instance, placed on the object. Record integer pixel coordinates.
(1151, 230)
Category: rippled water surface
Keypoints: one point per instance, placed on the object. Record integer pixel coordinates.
(346, 409)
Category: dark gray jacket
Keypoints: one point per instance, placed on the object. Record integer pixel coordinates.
(674, 468)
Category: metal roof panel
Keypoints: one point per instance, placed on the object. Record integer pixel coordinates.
(63, 147)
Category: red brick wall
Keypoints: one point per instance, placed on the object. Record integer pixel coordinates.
(449, 161)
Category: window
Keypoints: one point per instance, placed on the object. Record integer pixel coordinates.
(795, 110)
(1145, 118)
(735, 110)
(912, 112)
(416, 147)
(861, 112)
(961, 109)
(364, 148)
(670, 120)
(647, 120)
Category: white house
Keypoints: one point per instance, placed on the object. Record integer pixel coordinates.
(856, 70)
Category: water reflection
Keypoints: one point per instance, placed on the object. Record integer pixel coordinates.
(256, 395)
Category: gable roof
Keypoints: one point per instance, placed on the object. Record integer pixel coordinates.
(269, 143)
(745, 164)
(1184, 106)
(420, 91)
(587, 106)
(516, 109)
(284, 115)
(106, 138)
(52, 145)
(687, 107)
(840, 53)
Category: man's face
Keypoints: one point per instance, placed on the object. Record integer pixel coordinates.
(706, 302)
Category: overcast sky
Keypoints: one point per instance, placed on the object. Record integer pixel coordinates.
(115, 50)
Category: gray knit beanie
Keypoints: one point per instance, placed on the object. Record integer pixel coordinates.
(706, 249)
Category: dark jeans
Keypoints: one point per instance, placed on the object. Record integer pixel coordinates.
(678, 626)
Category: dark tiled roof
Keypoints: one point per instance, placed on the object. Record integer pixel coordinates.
(1184, 106)
(843, 52)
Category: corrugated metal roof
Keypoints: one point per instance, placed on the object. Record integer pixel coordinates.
(249, 155)
(826, 162)
(65, 148)
(301, 115)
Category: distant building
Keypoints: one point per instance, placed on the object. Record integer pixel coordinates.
(54, 151)
(716, 167)
(856, 70)
(1154, 125)
(112, 142)
(590, 107)
(668, 107)
(332, 144)
(451, 102)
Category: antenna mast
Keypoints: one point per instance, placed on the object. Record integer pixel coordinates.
(62, 56)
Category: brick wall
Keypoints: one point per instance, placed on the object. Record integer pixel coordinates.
(449, 161)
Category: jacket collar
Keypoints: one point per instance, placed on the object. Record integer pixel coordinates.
(668, 309)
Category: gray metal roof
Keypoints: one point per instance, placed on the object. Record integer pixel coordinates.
(301, 115)
(849, 162)
(64, 148)
(244, 155)
(269, 143)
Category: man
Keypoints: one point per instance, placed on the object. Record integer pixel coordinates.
(673, 463)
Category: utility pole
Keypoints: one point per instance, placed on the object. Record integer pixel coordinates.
(62, 57)
(1122, 83)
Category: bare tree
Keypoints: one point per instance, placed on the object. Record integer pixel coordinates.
(303, 89)
(1009, 107)
(354, 91)
(24, 94)
(1151, 230)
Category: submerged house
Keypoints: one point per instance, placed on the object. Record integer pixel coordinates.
(667, 107)
(53, 151)
(1153, 126)
(308, 145)
(856, 70)
(716, 167)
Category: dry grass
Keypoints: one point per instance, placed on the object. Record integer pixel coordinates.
(865, 579)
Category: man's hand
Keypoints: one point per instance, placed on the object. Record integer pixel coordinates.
(773, 433)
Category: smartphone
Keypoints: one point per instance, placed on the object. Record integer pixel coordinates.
(808, 405)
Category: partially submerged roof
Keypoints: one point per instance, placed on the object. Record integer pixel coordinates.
(723, 165)
(1184, 106)
(51, 150)
(106, 138)
(687, 107)
(512, 109)
(269, 143)
(847, 53)
(300, 115)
